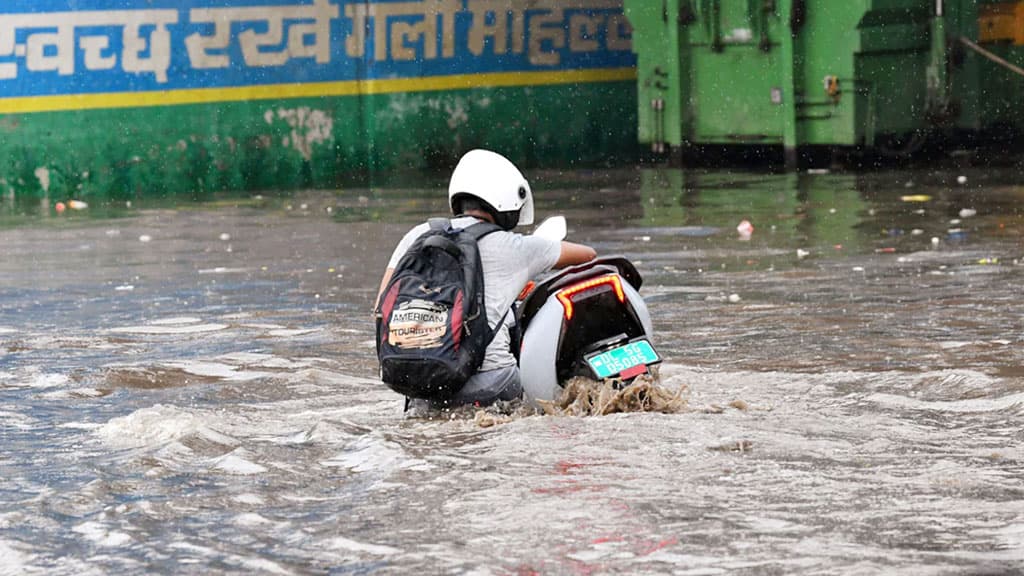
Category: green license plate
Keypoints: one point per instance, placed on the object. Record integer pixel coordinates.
(618, 360)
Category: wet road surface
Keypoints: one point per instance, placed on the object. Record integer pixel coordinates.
(192, 389)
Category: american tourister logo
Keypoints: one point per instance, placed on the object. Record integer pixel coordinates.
(418, 324)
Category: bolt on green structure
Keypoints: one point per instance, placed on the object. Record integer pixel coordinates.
(880, 75)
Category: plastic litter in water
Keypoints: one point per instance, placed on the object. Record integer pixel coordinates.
(968, 212)
(734, 298)
(77, 205)
(961, 179)
(745, 229)
(801, 254)
(225, 236)
(916, 198)
(145, 238)
(60, 207)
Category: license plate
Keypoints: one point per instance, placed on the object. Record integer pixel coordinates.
(623, 358)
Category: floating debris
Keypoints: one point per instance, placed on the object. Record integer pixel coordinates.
(586, 397)
(737, 446)
(745, 229)
(968, 212)
(486, 419)
(916, 198)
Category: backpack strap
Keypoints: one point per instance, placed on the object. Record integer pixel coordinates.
(478, 231)
(497, 327)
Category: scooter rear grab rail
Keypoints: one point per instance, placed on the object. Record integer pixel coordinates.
(569, 276)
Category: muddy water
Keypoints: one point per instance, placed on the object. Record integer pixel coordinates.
(191, 390)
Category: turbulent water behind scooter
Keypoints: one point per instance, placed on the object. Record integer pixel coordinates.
(192, 389)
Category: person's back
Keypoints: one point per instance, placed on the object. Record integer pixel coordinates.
(486, 187)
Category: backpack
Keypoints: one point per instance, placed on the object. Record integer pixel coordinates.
(432, 329)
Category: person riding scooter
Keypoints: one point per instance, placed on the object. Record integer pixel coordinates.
(487, 187)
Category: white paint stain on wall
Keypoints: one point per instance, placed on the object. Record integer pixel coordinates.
(457, 108)
(43, 175)
(457, 113)
(309, 128)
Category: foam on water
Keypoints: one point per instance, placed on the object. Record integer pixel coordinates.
(217, 370)
(16, 420)
(250, 499)
(34, 377)
(238, 462)
(176, 321)
(265, 361)
(1013, 402)
(251, 519)
(158, 425)
(169, 330)
(341, 543)
(370, 453)
(101, 535)
(14, 562)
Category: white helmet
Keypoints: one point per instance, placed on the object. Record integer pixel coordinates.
(497, 182)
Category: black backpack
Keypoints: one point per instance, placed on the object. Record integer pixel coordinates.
(432, 328)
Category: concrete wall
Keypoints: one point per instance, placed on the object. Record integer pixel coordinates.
(122, 98)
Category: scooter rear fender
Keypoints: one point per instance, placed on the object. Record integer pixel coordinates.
(537, 361)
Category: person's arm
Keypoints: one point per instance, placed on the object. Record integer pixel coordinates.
(383, 284)
(573, 254)
(400, 250)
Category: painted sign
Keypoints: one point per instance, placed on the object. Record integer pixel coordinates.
(67, 54)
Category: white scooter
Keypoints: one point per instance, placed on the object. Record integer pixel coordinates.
(587, 320)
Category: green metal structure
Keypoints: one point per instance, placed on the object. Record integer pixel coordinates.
(874, 74)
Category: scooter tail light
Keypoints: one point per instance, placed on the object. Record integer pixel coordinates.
(526, 290)
(565, 296)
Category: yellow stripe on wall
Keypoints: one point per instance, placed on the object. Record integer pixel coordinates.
(312, 90)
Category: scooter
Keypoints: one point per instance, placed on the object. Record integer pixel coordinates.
(587, 320)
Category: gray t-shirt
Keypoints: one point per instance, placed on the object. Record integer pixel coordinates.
(509, 261)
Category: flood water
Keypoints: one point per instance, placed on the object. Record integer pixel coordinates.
(191, 389)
